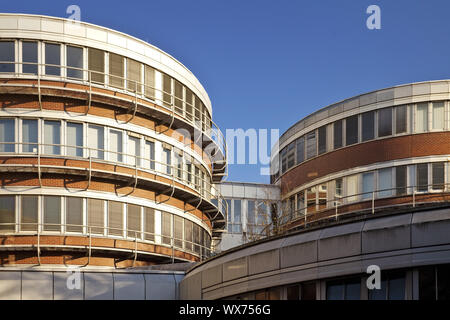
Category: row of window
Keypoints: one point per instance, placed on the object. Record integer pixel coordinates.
(106, 218)
(251, 216)
(78, 139)
(386, 182)
(105, 68)
(421, 117)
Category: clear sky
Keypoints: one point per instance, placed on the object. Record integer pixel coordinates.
(267, 64)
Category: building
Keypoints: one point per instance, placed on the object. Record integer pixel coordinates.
(249, 212)
(364, 182)
(109, 154)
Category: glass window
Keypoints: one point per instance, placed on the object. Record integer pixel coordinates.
(189, 104)
(52, 137)
(29, 213)
(443, 283)
(291, 155)
(7, 54)
(134, 76)
(197, 110)
(7, 213)
(29, 57)
(344, 290)
(396, 285)
(166, 227)
(134, 150)
(427, 283)
(400, 179)
(75, 62)
(422, 177)
(134, 220)
(96, 141)
(7, 135)
(52, 213)
(116, 70)
(96, 61)
(178, 231)
(337, 134)
(149, 154)
(385, 182)
(29, 135)
(167, 160)
(75, 139)
(322, 132)
(196, 236)
(300, 150)
(52, 59)
(74, 214)
(237, 211)
(178, 164)
(284, 166)
(351, 130)
(96, 215)
(115, 145)
(188, 234)
(339, 191)
(311, 148)
(115, 218)
(385, 122)
(150, 82)
(400, 119)
(352, 188)
(308, 291)
(178, 97)
(251, 212)
(438, 115)
(149, 223)
(167, 90)
(422, 117)
(368, 185)
(368, 126)
(438, 175)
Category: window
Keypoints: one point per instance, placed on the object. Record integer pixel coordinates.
(438, 175)
(96, 61)
(178, 97)
(250, 212)
(311, 148)
(149, 223)
(167, 90)
(337, 134)
(134, 150)
(198, 107)
(291, 155)
(392, 287)
(115, 218)
(367, 185)
(7, 54)
(368, 126)
(385, 182)
(52, 59)
(74, 214)
(167, 160)
(344, 289)
(196, 236)
(7, 135)
(189, 104)
(311, 202)
(115, 145)
(116, 70)
(178, 231)
(134, 76)
(352, 188)
(300, 150)
(188, 234)
(178, 163)
(422, 177)
(434, 282)
(422, 117)
(385, 122)
(52, 213)
(134, 220)
(29, 57)
(75, 139)
(351, 130)
(400, 180)
(29, 135)
(284, 166)
(438, 115)
(322, 132)
(400, 119)
(52, 137)
(96, 216)
(149, 154)
(300, 204)
(237, 215)
(75, 61)
(166, 228)
(96, 141)
(149, 82)
(29, 213)
(7, 213)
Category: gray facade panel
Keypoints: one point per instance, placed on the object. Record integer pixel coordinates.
(37, 286)
(212, 276)
(129, 286)
(10, 283)
(264, 261)
(160, 287)
(340, 246)
(298, 254)
(235, 269)
(68, 286)
(98, 286)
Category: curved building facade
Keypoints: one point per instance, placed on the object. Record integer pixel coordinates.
(363, 182)
(108, 150)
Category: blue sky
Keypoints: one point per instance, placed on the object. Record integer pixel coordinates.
(267, 64)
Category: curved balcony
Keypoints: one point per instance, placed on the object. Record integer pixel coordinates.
(166, 180)
(131, 97)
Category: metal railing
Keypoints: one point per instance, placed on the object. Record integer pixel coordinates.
(176, 173)
(368, 202)
(137, 90)
(137, 236)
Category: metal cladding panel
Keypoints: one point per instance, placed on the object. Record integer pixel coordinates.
(235, 269)
(430, 228)
(421, 88)
(403, 91)
(368, 98)
(212, 276)
(264, 261)
(99, 286)
(68, 286)
(10, 282)
(298, 254)
(160, 287)
(129, 286)
(37, 286)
